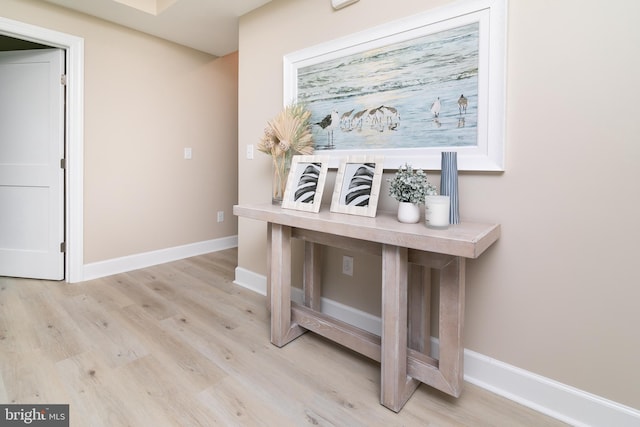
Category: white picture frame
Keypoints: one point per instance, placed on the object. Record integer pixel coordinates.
(305, 183)
(483, 145)
(357, 186)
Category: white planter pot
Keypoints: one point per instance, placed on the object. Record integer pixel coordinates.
(408, 212)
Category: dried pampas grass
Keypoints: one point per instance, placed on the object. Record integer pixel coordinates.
(288, 133)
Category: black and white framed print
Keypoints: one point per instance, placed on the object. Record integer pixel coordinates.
(305, 183)
(357, 185)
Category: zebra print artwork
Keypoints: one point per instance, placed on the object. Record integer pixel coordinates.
(359, 190)
(357, 186)
(305, 191)
(305, 183)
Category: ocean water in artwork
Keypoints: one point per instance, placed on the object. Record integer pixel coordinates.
(413, 94)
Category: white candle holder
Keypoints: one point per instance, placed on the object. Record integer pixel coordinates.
(437, 212)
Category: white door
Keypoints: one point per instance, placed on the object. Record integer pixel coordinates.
(31, 176)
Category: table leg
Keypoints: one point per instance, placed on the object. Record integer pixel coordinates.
(312, 282)
(419, 308)
(396, 385)
(452, 289)
(269, 266)
(282, 330)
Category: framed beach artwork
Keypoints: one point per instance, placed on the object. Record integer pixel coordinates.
(357, 186)
(305, 183)
(410, 89)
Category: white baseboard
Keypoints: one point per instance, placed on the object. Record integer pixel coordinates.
(560, 401)
(133, 262)
(250, 280)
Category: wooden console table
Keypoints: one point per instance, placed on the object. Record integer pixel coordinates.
(407, 251)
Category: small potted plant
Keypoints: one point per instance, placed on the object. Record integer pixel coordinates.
(410, 187)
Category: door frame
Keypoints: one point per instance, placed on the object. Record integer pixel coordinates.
(74, 134)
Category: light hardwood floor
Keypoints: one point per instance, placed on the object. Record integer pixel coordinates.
(180, 345)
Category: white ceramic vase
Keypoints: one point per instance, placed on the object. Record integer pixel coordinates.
(408, 212)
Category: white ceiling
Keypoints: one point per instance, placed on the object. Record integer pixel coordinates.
(207, 25)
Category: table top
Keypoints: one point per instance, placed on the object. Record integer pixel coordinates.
(467, 239)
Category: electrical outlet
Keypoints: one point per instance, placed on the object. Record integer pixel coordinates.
(347, 265)
(187, 153)
(220, 216)
(250, 152)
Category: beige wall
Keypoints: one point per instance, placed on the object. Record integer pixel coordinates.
(558, 294)
(147, 99)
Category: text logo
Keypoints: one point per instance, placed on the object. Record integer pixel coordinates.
(34, 415)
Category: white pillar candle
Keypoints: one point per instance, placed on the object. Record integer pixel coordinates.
(437, 211)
